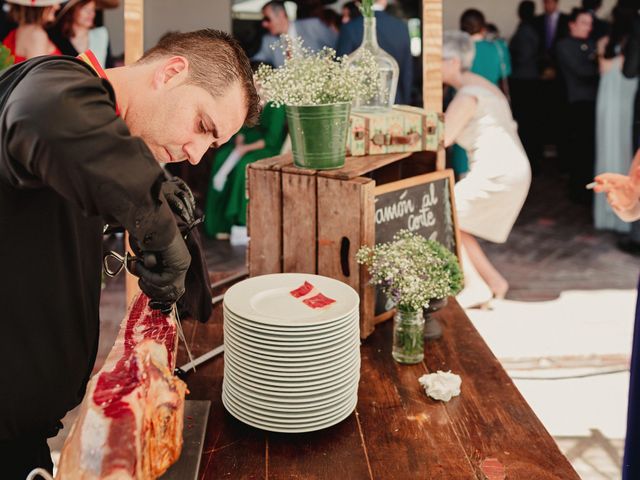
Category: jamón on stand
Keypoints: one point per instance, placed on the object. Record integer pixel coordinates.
(130, 421)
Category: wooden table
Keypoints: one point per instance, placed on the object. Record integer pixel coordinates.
(397, 432)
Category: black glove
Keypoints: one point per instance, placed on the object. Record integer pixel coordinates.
(196, 301)
(180, 199)
(162, 273)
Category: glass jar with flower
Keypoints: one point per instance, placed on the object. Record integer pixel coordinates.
(411, 273)
(316, 89)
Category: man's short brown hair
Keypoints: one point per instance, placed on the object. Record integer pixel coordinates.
(216, 61)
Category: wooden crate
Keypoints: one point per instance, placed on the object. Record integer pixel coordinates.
(312, 221)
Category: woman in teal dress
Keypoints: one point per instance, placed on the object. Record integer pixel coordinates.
(226, 198)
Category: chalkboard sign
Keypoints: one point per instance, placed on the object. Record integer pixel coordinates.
(423, 205)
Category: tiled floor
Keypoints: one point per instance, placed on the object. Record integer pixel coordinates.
(553, 249)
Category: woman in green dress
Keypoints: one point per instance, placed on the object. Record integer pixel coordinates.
(226, 198)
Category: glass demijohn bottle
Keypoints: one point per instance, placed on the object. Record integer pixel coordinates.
(388, 69)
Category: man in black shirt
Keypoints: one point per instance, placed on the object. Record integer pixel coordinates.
(80, 148)
(577, 60)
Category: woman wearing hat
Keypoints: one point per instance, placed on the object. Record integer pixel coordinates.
(74, 32)
(30, 39)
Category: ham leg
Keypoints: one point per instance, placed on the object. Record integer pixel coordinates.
(130, 422)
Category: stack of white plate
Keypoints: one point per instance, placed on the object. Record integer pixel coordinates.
(290, 367)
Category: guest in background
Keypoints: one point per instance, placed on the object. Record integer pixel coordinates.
(492, 61)
(577, 60)
(74, 32)
(226, 204)
(310, 8)
(393, 38)
(524, 47)
(30, 39)
(490, 197)
(600, 27)
(614, 113)
(623, 194)
(350, 10)
(331, 19)
(551, 26)
(631, 69)
(275, 20)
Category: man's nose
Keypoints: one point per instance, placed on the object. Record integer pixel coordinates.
(195, 151)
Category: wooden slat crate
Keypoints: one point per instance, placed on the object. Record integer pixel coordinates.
(314, 221)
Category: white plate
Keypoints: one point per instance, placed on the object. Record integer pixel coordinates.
(251, 393)
(288, 407)
(288, 361)
(308, 385)
(313, 378)
(347, 339)
(245, 338)
(296, 372)
(291, 367)
(278, 427)
(288, 330)
(310, 416)
(304, 339)
(307, 416)
(286, 339)
(267, 299)
(310, 391)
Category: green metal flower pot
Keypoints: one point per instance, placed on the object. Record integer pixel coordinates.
(319, 134)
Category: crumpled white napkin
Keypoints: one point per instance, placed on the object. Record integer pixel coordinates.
(441, 385)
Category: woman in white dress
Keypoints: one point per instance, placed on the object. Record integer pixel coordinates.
(614, 115)
(489, 199)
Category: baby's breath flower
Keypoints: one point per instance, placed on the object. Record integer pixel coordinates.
(319, 78)
(412, 270)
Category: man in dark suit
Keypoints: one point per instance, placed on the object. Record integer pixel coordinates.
(523, 83)
(393, 38)
(578, 61)
(551, 26)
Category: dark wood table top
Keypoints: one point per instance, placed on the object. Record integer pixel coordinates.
(397, 432)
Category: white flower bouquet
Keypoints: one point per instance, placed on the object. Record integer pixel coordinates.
(412, 270)
(315, 78)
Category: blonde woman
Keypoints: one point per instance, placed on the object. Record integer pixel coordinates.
(490, 197)
(30, 39)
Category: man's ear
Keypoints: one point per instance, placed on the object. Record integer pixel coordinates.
(170, 71)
